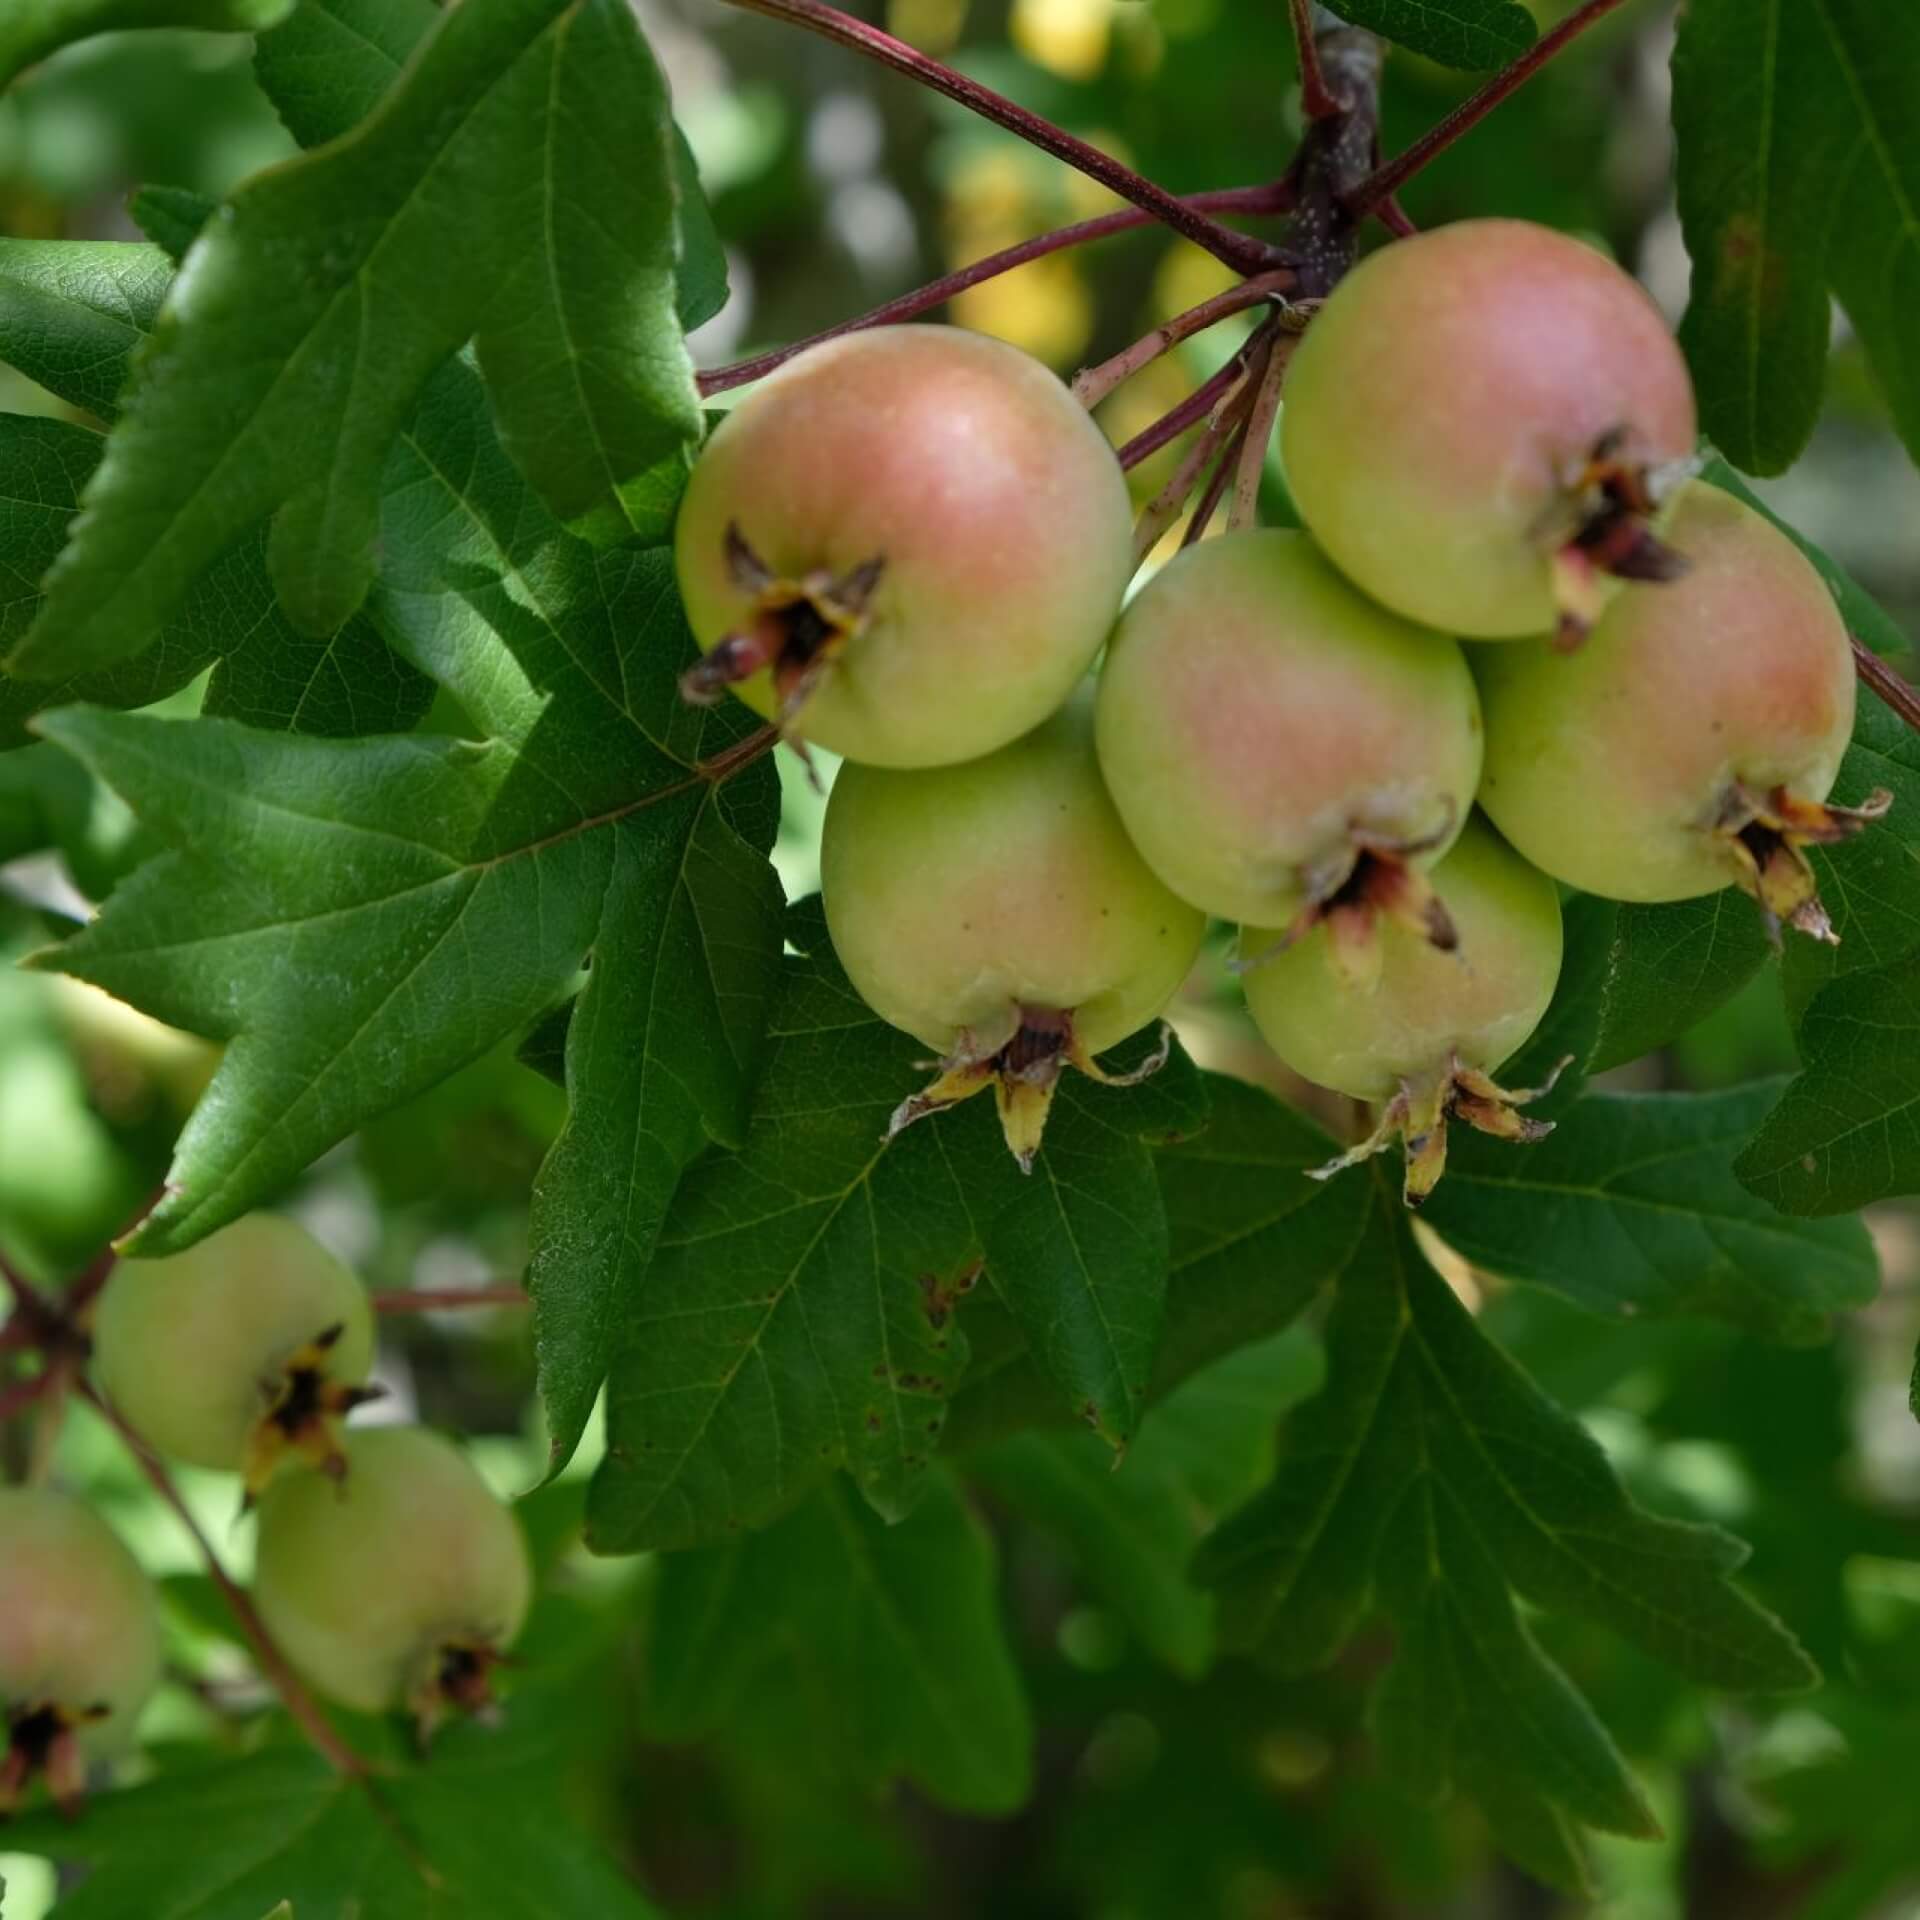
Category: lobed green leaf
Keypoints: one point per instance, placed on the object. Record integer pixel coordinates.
(1472, 34)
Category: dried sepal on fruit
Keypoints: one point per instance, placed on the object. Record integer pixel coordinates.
(998, 912)
(246, 1351)
(1423, 1036)
(79, 1644)
(1691, 744)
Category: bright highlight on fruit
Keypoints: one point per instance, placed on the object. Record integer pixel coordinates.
(1692, 742)
(79, 1643)
(998, 912)
(244, 1352)
(1424, 1036)
(1284, 751)
(905, 545)
(402, 1586)
(1479, 426)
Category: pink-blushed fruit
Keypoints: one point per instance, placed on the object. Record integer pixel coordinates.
(240, 1353)
(79, 1642)
(1477, 425)
(998, 912)
(399, 1587)
(1282, 749)
(906, 545)
(1689, 744)
(1423, 1037)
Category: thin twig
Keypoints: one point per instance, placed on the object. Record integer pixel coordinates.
(273, 1663)
(1468, 115)
(26, 1296)
(1093, 384)
(1237, 249)
(436, 1299)
(1394, 217)
(1889, 685)
(1164, 508)
(24, 1394)
(1210, 500)
(1315, 101)
(1273, 198)
(1268, 375)
(1190, 412)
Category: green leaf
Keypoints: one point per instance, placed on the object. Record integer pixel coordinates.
(326, 66)
(483, 199)
(1471, 34)
(171, 217)
(702, 273)
(1432, 1481)
(892, 1634)
(361, 918)
(1133, 1527)
(1630, 1206)
(32, 29)
(72, 312)
(1847, 1130)
(1668, 967)
(1797, 172)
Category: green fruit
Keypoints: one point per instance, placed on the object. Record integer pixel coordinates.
(399, 1587)
(1473, 422)
(998, 912)
(1687, 745)
(905, 545)
(245, 1349)
(79, 1641)
(1426, 1033)
(1279, 746)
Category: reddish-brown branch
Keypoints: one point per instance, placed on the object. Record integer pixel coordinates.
(1224, 470)
(435, 1299)
(1389, 179)
(1895, 690)
(17, 1398)
(1237, 249)
(273, 1663)
(741, 755)
(1190, 412)
(1092, 385)
(1315, 100)
(1164, 508)
(936, 293)
(26, 1296)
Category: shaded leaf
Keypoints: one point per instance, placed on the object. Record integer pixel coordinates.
(326, 66)
(72, 312)
(171, 217)
(32, 29)
(1473, 34)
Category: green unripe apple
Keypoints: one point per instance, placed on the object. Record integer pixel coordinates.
(1689, 743)
(240, 1351)
(1474, 416)
(400, 1586)
(906, 545)
(998, 912)
(79, 1641)
(1266, 731)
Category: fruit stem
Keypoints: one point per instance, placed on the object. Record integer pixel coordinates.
(1194, 408)
(1164, 508)
(437, 1299)
(1890, 686)
(1241, 250)
(1380, 185)
(1268, 375)
(273, 1663)
(1209, 501)
(1093, 384)
(1275, 197)
(1315, 101)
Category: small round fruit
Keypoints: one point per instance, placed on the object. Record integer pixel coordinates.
(1689, 742)
(79, 1641)
(244, 1349)
(1277, 743)
(399, 1587)
(906, 545)
(1432, 1026)
(1471, 423)
(998, 912)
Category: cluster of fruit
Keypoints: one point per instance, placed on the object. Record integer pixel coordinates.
(909, 545)
(385, 1569)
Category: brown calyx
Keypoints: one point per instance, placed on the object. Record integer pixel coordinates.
(1023, 1072)
(1766, 837)
(795, 629)
(1371, 876)
(44, 1740)
(457, 1679)
(1419, 1112)
(305, 1408)
(1602, 529)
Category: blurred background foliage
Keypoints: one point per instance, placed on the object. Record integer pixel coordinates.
(1162, 1795)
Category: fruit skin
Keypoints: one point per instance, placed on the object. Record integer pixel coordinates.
(1254, 709)
(1477, 1005)
(996, 507)
(79, 1621)
(191, 1347)
(365, 1584)
(1608, 767)
(1445, 395)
